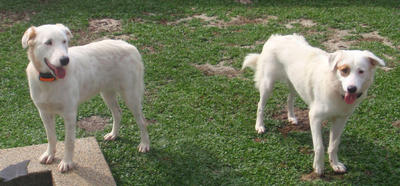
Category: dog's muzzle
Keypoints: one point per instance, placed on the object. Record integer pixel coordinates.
(58, 72)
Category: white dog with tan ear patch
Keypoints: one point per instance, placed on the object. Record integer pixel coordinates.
(332, 85)
(60, 78)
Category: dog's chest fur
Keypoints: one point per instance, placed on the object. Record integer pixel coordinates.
(47, 96)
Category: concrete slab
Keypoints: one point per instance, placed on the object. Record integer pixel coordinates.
(90, 165)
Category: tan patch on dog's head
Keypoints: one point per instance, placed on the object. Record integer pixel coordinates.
(28, 41)
(344, 70)
(32, 36)
(28, 37)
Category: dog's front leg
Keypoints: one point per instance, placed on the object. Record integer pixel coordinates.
(69, 123)
(316, 125)
(334, 141)
(49, 124)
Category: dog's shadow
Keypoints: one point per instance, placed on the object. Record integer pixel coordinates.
(188, 164)
(358, 154)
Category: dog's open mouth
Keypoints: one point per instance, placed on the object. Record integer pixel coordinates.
(59, 72)
(350, 98)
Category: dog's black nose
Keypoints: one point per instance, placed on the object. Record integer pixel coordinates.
(351, 89)
(64, 60)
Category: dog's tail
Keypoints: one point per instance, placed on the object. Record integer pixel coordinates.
(250, 61)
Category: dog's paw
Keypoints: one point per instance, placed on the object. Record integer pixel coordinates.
(293, 120)
(65, 166)
(46, 158)
(338, 167)
(110, 136)
(143, 147)
(260, 129)
(319, 171)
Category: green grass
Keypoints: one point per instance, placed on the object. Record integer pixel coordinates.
(204, 130)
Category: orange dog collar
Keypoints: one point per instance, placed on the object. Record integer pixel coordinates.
(47, 77)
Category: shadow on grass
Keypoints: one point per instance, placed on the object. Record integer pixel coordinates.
(192, 165)
(185, 164)
(365, 161)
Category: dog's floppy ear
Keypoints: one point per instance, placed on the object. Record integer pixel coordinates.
(28, 37)
(373, 59)
(66, 30)
(334, 58)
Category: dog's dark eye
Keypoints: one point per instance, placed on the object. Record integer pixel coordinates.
(361, 71)
(65, 41)
(49, 42)
(345, 70)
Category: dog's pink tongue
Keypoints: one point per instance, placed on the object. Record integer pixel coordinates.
(60, 72)
(350, 98)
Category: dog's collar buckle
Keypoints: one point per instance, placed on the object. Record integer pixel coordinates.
(47, 77)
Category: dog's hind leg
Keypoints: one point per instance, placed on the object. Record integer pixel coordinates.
(49, 124)
(133, 99)
(110, 98)
(334, 141)
(266, 88)
(290, 102)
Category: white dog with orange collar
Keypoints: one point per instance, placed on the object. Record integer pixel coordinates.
(60, 78)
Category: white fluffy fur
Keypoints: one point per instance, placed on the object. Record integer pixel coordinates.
(109, 67)
(314, 75)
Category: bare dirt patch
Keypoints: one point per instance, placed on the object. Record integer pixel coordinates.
(8, 19)
(391, 58)
(93, 123)
(303, 22)
(125, 37)
(98, 26)
(245, 2)
(303, 122)
(386, 69)
(240, 20)
(302, 118)
(252, 46)
(213, 21)
(202, 17)
(104, 25)
(374, 36)
(219, 69)
(259, 140)
(148, 49)
(336, 42)
(336, 39)
(306, 150)
(310, 177)
(326, 177)
(396, 124)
